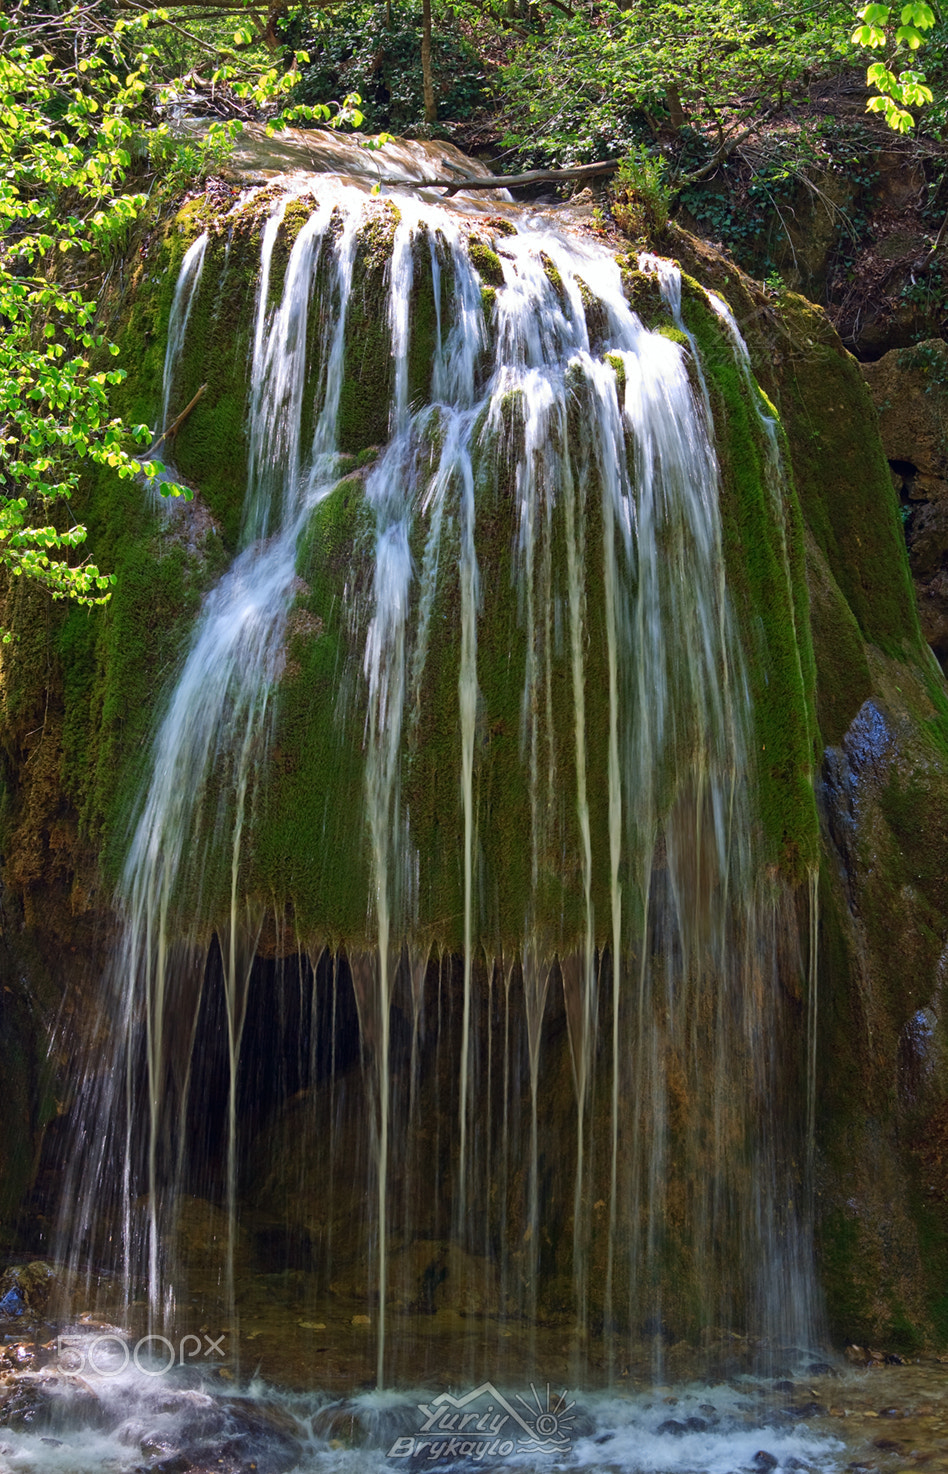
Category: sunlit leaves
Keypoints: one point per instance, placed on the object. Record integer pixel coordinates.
(918, 14)
(65, 135)
(71, 120)
(873, 36)
(896, 91)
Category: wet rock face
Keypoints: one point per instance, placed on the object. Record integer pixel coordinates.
(909, 387)
(25, 1290)
(889, 913)
(884, 921)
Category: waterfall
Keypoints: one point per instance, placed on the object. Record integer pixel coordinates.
(549, 472)
(189, 279)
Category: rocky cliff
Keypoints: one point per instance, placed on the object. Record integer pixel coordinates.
(851, 719)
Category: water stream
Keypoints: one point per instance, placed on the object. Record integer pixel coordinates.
(654, 1184)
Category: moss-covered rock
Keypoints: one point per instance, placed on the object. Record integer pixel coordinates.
(763, 541)
(842, 685)
(367, 383)
(310, 846)
(486, 261)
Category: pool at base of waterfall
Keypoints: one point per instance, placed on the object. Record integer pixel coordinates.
(90, 1399)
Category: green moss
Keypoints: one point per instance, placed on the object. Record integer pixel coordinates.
(500, 225)
(933, 1248)
(915, 805)
(643, 294)
(423, 319)
(552, 274)
(849, 1310)
(502, 799)
(618, 366)
(486, 262)
(597, 318)
(936, 725)
(310, 844)
(295, 215)
(211, 447)
(140, 638)
(843, 479)
(141, 331)
(843, 681)
(764, 554)
(865, 1289)
(367, 383)
(673, 334)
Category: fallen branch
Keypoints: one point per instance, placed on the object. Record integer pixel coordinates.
(176, 424)
(508, 181)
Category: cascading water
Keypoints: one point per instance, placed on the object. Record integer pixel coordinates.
(558, 464)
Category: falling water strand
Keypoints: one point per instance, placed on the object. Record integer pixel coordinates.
(812, 1023)
(190, 831)
(610, 500)
(467, 694)
(189, 279)
(578, 982)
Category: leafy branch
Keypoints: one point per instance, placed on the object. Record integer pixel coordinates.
(79, 92)
(896, 91)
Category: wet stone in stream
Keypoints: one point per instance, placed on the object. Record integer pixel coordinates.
(879, 1420)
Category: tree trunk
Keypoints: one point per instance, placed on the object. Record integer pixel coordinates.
(503, 181)
(676, 113)
(431, 107)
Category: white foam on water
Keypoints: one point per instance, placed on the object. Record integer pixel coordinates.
(144, 1416)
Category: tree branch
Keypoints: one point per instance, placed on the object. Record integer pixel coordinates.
(507, 181)
(176, 424)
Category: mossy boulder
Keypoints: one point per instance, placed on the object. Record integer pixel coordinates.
(850, 758)
(882, 790)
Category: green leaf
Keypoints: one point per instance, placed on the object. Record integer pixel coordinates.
(868, 36)
(918, 14)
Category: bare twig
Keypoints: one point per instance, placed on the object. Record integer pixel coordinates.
(176, 424)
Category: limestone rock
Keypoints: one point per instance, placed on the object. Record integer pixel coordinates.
(909, 387)
(910, 390)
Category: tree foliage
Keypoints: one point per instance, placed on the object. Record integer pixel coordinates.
(64, 145)
(900, 35)
(603, 78)
(373, 50)
(81, 143)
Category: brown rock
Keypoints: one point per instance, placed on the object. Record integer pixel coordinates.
(926, 488)
(901, 179)
(909, 387)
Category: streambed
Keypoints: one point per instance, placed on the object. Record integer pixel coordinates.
(90, 1398)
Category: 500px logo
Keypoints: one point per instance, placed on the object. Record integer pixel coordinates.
(109, 1354)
